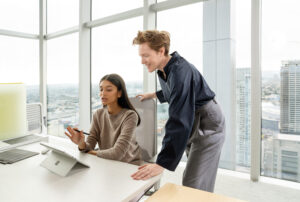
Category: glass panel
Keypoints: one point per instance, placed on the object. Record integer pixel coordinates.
(280, 90)
(187, 41)
(102, 8)
(62, 14)
(113, 52)
(62, 84)
(243, 85)
(20, 63)
(22, 16)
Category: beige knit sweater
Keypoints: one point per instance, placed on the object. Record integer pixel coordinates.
(115, 135)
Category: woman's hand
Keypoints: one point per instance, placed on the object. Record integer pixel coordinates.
(76, 137)
(147, 171)
(93, 152)
(146, 96)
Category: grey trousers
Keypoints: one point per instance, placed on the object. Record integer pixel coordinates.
(204, 147)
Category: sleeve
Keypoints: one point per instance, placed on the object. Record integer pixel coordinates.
(181, 118)
(93, 138)
(122, 145)
(160, 96)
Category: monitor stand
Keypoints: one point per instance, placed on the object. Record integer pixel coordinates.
(60, 164)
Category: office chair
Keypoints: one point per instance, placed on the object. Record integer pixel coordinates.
(146, 131)
(34, 118)
(146, 134)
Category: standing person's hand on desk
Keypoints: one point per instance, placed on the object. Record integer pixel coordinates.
(146, 96)
(147, 171)
(93, 152)
(76, 137)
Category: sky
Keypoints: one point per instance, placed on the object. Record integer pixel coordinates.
(280, 33)
(19, 57)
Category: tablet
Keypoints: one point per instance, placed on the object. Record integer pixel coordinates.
(56, 149)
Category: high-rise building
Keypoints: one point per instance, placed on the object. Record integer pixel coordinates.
(286, 157)
(290, 97)
(243, 115)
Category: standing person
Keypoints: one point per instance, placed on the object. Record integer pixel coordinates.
(196, 123)
(113, 125)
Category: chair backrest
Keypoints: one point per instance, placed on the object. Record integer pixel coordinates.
(34, 118)
(146, 131)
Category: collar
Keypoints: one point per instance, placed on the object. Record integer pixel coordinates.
(167, 68)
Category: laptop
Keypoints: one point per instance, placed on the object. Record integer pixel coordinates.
(59, 161)
(22, 140)
(15, 155)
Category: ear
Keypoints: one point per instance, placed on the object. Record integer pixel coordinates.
(119, 93)
(162, 51)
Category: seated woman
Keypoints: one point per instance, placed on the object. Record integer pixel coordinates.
(113, 125)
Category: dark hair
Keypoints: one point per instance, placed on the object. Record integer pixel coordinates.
(123, 101)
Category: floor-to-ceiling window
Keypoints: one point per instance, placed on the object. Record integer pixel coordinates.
(19, 56)
(62, 67)
(62, 83)
(185, 27)
(113, 52)
(62, 14)
(20, 16)
(243, 85)
(280, 90)
(101, 9)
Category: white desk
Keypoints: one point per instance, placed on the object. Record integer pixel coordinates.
(105, 180)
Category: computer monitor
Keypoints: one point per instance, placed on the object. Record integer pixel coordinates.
(12, 110)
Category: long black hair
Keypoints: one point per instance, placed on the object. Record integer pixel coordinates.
(123, 101)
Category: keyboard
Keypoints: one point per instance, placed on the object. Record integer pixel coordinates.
(14, 155)
(26, 138)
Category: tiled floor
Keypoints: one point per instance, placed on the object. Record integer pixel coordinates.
(239, 186)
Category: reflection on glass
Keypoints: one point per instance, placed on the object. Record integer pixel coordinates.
(187, 41)
(280, 90)
(62, 84)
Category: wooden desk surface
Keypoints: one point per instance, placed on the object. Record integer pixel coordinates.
(177, 193)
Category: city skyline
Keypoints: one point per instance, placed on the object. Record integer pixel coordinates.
(60, 115)
(243, 117)
(290, 97)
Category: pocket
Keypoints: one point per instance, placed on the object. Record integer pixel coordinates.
(215, 115)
